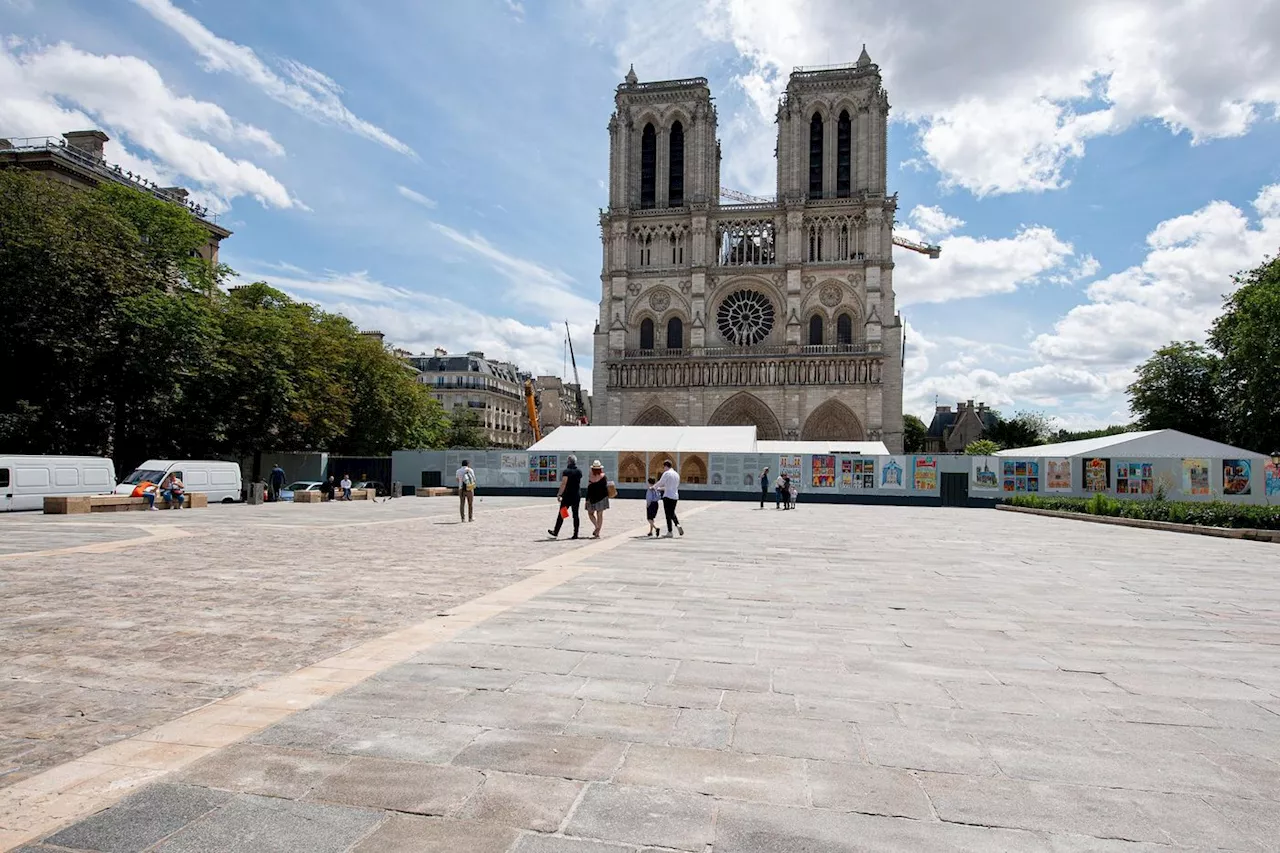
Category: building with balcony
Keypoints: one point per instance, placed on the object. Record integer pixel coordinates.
(778, 315)
(494, 390)
(76, 158)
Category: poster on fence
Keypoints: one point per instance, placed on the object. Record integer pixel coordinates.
(1135, 478)
(1272, 476)
(792, 466)
(514, 461)
(1057, 475)
(893, 473)
(544, 467)
(858, 472)
(926, 473)
(986, 472)
(1020, 475)
(1236, 476)
(824, 471)
(1195, 476)
(1097, 475)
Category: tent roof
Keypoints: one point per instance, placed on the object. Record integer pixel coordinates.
(1152, 444)
(672, 439)
(864, 448)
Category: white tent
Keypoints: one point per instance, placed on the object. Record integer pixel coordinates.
(1152, 444)
(655, 439)
(823, 448)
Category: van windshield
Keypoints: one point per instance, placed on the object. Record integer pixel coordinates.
(143, 474)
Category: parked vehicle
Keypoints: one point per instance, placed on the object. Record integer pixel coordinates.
(286, 494)
(218, 479)
(379, 489)
(25, 481)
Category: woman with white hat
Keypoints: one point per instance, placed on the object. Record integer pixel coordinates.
(597, 497)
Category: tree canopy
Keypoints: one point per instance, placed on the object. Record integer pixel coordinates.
(121, 341)
(913, 433)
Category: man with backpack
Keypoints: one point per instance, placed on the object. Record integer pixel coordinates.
(466, 492)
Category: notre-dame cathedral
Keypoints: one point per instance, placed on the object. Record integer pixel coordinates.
(779, 314)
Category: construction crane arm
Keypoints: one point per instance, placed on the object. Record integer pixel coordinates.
(582, 407)
(532, 406)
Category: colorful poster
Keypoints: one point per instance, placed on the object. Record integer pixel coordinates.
(1057, 475)
(846, 471)
(824, 472)
(986, 472)
(1097, 475)
(792, 466)
(1134, 478)
(893, 473)
(926, 473)
(1020, 475)
(1195, 476)
(858, 472)
(1272, 474)
(544, 467)
(1236, 476)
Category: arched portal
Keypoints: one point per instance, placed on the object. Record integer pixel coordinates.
(748, 410)
(656, 416)
(832, 421)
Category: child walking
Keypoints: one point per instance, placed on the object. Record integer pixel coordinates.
(651, 499)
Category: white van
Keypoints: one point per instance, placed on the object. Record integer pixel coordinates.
(25, 481)
(215, 478)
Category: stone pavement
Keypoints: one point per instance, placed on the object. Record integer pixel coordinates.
(837, 678)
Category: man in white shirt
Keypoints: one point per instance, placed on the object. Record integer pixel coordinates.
(669, 485)
(466, 492)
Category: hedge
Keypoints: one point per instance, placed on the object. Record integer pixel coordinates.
(1207, 514)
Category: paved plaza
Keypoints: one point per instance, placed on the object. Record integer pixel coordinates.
(379, 678)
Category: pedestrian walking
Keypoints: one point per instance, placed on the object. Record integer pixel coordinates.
(651, 501)
(276, 481)
(597, 497)
(466, 492)
(569, 496)
(764, 485)
(345, 485)
(669, 485)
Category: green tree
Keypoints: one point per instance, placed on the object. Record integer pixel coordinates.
(1177, 388)
(981, 447)
(1247, 337)
(1024, 429)
(390, 408)
(465, 430)
(1080, 435)
(913, 433)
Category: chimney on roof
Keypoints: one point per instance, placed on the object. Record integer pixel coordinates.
(88, 141)
(476, 354)
(441, 352)
(983, 408)
(375, 334)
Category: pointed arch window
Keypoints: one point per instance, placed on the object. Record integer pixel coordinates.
(844, 330)
(675, 334)
(646, 333)
(648, 166)
(815, 330)
(815, 156)
(675, 165)
(844, 155)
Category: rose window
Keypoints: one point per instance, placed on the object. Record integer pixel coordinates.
(745, 318)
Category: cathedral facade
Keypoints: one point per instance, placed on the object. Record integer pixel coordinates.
(778, 314)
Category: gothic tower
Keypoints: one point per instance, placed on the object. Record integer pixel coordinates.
(778, 314)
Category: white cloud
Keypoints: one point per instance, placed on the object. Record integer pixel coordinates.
(420, 322)
(300, 87)
(980, 266)
(1005, 95)
(127, 97)
(516, 8)
(533, 284)
(415, 196)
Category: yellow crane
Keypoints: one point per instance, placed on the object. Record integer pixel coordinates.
(930, 249)
(532, 407)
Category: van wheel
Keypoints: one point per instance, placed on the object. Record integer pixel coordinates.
(228, 500)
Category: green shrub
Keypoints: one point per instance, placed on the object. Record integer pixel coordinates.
(1206, 513)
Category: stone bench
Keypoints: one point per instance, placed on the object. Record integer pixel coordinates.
(435, 492)
(82, 504)
(318, 497)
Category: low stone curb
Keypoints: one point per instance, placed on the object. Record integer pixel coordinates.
(1220, 532)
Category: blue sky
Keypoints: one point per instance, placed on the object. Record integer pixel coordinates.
(1094, 173)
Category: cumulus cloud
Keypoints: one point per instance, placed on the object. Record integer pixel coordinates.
(980, 266)
(297, 86)
(50, 89)
(1012, 94)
